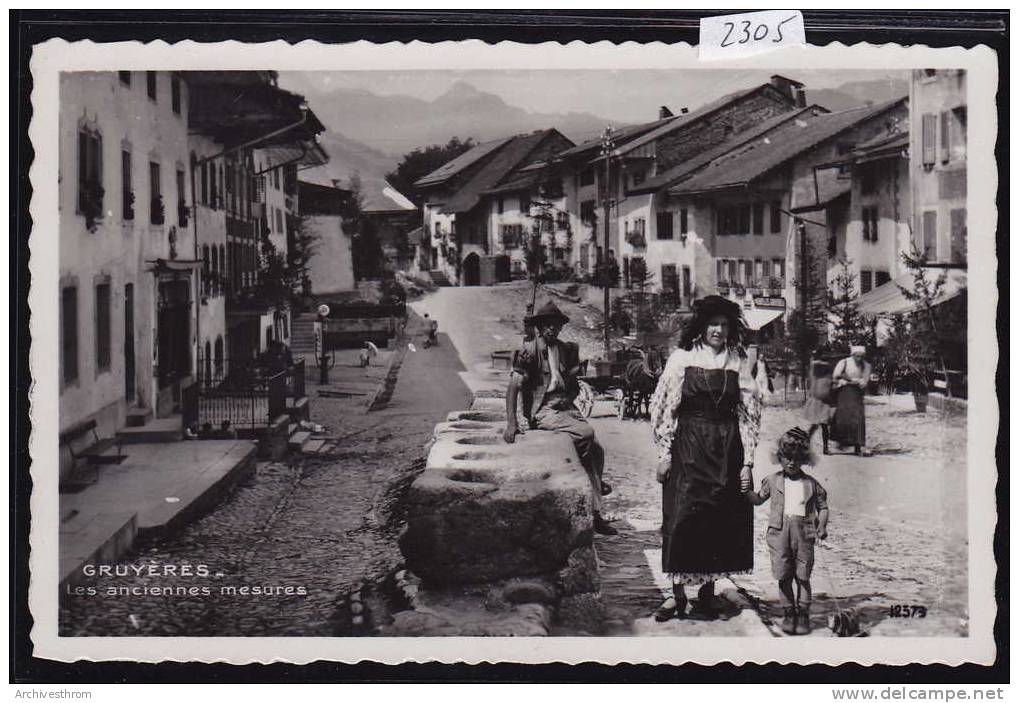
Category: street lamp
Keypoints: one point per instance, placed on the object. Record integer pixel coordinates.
(607, 146)
(323, 360)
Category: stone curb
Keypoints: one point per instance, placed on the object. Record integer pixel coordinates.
(381, 395)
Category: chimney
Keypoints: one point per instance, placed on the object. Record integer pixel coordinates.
(801, 96)
(664, 112)
(684, 110)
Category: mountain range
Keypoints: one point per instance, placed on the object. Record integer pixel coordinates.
(369, 133)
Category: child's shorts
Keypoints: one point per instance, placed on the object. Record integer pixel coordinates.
(792, 548)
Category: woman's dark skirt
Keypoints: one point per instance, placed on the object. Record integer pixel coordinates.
(849, 425)
(707, 522)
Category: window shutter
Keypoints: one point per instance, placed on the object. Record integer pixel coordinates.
(929, 136)
(946, 139)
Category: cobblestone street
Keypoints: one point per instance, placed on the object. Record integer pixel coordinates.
(321, 523)
(897, 532)
(326, 524)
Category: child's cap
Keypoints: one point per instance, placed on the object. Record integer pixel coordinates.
(795, 445)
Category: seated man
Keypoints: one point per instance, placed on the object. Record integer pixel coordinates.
(545, 371)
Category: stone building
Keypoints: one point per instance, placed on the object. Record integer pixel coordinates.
(128, 259)
(462, 206)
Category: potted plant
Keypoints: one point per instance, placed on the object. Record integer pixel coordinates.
(909, 360)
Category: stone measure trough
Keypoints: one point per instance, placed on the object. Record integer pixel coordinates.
(507, 525)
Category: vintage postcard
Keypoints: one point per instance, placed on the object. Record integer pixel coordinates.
(471, 352)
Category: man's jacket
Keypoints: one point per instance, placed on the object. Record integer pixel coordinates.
(531, 362)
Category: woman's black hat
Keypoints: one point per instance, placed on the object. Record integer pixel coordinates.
(548, 313)
(711, 305)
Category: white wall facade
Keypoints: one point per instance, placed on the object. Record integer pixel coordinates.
(136, 129)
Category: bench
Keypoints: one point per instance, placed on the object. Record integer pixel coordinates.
(503, 358)
(93, 454)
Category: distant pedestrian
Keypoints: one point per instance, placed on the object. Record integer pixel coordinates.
(818, 409)
(368, 352)
(799, 517)
(850, 379)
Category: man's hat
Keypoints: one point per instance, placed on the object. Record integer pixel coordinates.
(547, 313)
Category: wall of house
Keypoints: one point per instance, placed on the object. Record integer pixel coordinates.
(331, 268)
(276, 205)
(891, 198)
(939, 188)
(210, 224)
(439, 227)
(118, 250)
(511, 215)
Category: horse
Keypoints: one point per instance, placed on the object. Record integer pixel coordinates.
(639, 381)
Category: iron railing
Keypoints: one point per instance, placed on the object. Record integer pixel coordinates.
(239, 396)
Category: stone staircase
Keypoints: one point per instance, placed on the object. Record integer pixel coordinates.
(439, 277)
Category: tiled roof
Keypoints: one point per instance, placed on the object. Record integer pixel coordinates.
(743, 166)
(451, 168)
(620, 136)
(692, 116)
(501, 165)
(377, 195)
(702, 159)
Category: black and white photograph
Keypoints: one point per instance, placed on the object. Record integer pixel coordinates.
(602, 354)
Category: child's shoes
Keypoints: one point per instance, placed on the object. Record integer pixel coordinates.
(803, 620)
(789, 620)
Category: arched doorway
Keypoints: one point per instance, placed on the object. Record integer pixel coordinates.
(472, 270)
(502, 268)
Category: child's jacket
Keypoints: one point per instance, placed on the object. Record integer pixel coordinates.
(773, 486)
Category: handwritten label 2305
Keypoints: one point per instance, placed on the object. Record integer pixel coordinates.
(744, 31)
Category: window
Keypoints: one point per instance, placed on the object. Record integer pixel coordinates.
(758, 218)
(587, 214)
(69, 333)
(587, 177)
(748, 271)
(206, 271)
(765, 273)
(502, 206)
(958, 135)
(205, 183)
(182, 205)
(150, 84)
(946, 135)
(869, 215)
(733, 277)
(687, 284)
(276, 178)
(127, 193)
(670, 281)
(279, 221)
(663, 228)
(156, 212)
(175, 93)
(868, 179)
(683, 221)
(720, 272)
(881, 278)
(103, 339)
(776, 216)
(511, 236)
(930, 233)
(758, 272)
(743, 225)
(90, 173)
(958, 241)
(866, 281)
(525, 203)
(929, 138)
(778, 270)
(125, 77)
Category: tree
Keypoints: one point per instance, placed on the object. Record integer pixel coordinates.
(808, 322)
(641, 279)
(302, 246)
(917, 341)
(849, 325)
(422, 161)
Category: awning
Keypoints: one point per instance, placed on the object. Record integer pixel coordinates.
(758, 318)
(887, 299)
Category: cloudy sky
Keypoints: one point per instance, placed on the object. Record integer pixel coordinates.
(627, 96)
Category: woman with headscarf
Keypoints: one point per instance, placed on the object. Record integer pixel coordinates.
(705, 417)
(850, 379)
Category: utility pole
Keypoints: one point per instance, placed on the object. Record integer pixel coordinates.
(606, 149)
